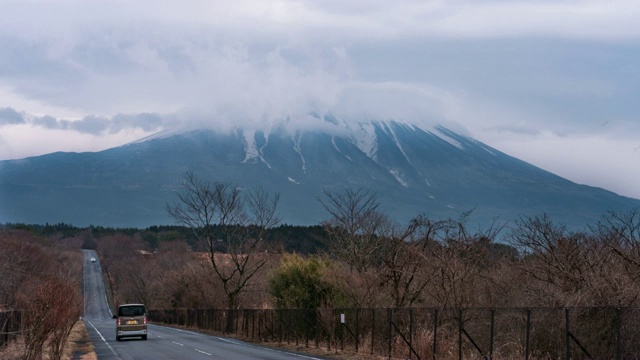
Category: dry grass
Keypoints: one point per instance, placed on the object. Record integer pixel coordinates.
(11, 351)
(79, 345)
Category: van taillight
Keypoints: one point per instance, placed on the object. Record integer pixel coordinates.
(118, 321)
(145, 320)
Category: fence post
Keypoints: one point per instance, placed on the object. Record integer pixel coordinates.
(289, 325)
(389, 323)
(307, 321)
(618, 336)
(245, 322)
(528, 334)
(357, 328)
(373, 328)
(435, 332)
(4, 328)
(280, 324)
(341, 327)
(316, 334)
(493, 316)
(410, 332)
(260, 324)
(460, 334)
(567, 333)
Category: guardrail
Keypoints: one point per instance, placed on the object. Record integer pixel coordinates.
(433, 333)
(10, 321)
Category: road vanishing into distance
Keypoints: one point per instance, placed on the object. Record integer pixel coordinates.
(162, 342)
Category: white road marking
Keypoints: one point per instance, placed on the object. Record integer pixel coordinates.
(103, 339)
(234, 342)
(229, 341)
(298, 355)
(202, 352)
(180, 330)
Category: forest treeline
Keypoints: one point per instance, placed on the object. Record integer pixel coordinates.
(290, 238)
(429, 263)
(442, 264)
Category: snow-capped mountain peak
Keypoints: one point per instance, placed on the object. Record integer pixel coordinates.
(413, 170)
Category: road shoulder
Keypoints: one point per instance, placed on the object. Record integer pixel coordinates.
(79, 346)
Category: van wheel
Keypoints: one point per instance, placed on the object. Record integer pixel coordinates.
(144, 337)
(117, 338)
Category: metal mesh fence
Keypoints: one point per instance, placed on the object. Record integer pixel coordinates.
(433, 333)
(9, 326)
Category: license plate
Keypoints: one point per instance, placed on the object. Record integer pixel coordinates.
(132, 322)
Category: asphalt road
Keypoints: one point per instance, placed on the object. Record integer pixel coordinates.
(163, 342)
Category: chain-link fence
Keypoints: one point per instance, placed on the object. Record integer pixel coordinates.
(434, 333)
(9, 326)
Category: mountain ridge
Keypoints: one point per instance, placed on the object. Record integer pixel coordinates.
(414, 171)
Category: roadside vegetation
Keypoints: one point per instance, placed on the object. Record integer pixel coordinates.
(40, 284)
(231, 251)
(431, 263)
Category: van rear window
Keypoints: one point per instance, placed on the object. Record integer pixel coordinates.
(131, 310)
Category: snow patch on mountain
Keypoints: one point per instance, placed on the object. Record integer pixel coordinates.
(251, 150)
(335, 146)
(297, 138)
(364, 138)
(162, 134)
(398, 175)
(449, 139)
(394, 137)
(487, 149)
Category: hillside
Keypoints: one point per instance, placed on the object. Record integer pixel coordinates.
(412, 170)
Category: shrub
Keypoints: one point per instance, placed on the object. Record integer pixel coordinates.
(300, 283)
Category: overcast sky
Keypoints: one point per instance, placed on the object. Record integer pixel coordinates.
(555, 83)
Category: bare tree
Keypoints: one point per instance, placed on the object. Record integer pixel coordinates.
(225, 218)
(356, 228)
(407, 260)
(621, 233)
(139, 278)
(43, 283)
(117, 253)
(458, 260)
(573, 268)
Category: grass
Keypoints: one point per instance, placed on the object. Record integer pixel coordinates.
(79, 345)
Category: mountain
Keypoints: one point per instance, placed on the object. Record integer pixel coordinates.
(413, 170)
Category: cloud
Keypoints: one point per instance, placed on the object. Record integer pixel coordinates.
(10, 116)
(47, 122)
(594, 19)
(88, 125)
(145, 121)
(101, 125)
(610, 164)
(257, 61)
(163, 57)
